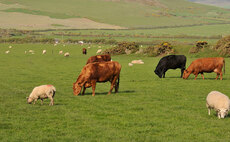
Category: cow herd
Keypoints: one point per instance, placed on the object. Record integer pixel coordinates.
(101, 68)
(198, 66)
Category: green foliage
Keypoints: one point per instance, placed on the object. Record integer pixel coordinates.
(122, 48)
(223, 45)
(199, 46)
(160, 49)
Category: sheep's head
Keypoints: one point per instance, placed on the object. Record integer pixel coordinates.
(29, 100)
(76, 88)
(222, 112)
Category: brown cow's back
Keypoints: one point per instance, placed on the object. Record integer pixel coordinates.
(99, 58)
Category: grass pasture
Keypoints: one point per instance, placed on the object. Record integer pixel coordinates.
(146, 108)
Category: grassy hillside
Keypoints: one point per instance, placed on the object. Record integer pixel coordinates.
(125, 13)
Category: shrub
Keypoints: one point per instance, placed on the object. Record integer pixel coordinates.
(199, 45)
(122, 48)
(223, 45)
(160, 49)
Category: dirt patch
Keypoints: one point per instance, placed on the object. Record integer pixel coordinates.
(15, 20)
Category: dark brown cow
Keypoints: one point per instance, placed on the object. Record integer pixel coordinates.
(84, 51)
(205, 65)
(98, 72)
(99, 58)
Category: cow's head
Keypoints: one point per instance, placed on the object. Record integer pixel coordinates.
(158, 72)
(77, 88)
(186, 74)
(222, 112)
(29, 100)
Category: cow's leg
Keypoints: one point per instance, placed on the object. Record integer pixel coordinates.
(202, 75)
(221, 76)
(83, 91)
(93, 87)
(195, 76)
(41, 101)
(182, 72)
(113, 82)
(217, 75)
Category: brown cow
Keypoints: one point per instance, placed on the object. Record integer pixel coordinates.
(98, 72)
(205, 65)
(84, 51)
(99, 58)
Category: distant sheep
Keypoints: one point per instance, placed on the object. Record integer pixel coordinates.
(219, 102)
(137, 62)
(99, 51)
(7, 52)
(10, 47)
(31, 51)
(42, 92)
(25, 52)
(44, 52)
(130, 64)
(60, 52)
(66, 54)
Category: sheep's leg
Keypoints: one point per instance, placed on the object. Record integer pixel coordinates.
(51, 101)
(35, 100)
(209, 111)
(41, 101)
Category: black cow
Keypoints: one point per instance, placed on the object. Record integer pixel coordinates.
(170, 62)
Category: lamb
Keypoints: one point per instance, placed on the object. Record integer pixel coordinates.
(66, 54)
(7, 52)
(42, 92)
(60, 52)
(137, 62)
(44, 52)
(219, 102)
(99, 51)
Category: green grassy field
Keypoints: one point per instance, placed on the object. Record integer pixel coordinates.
(146, 108)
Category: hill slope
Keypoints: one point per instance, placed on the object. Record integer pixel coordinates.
(218, 3)
(122, 13)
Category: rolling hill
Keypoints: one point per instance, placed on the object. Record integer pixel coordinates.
(218, 3)
(107, 14)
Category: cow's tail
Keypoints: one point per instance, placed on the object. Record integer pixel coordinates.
(224, 66)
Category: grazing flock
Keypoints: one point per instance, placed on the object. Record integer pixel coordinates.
(101, 68)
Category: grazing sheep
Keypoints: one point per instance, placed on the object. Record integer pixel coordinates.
(10, 47)
(66, 54)
(25, 52)
(81, 42)
(44, 52)
(130, 64)
(42, 92)
(31, 51)
(137, 62)
(7, 52)
(60, 52)
(219, 102)
(99, 51)
(89, 47)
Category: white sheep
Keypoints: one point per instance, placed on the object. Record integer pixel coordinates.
(25, 52)
(99, 51)
(219, 102)
(130, 64)
(10, 46)
(31, 51)
(44, 52)
(42, 92)
(7, 52)
(66, 54)
(60, 52)
(137, 62)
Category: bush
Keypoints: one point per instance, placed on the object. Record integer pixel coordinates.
(223, 45)
(122, 48)
(199, 45)
(160, 49)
